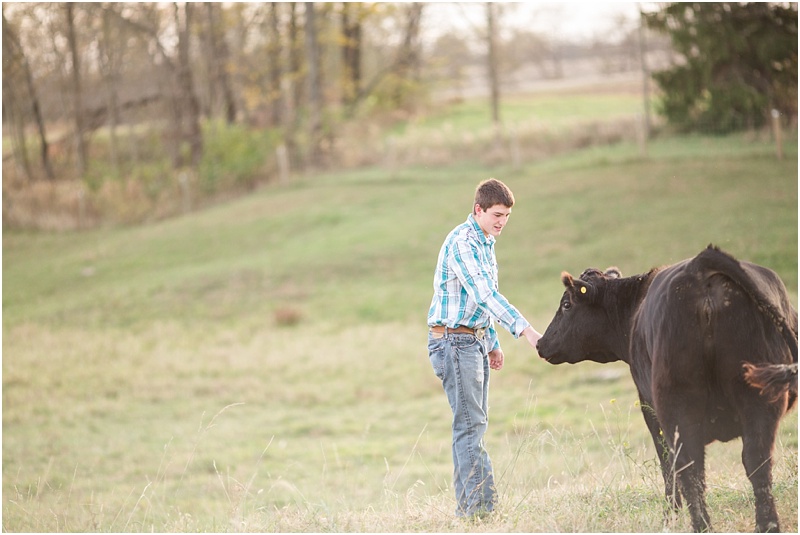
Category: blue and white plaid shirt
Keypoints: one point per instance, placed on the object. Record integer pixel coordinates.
(465, 285)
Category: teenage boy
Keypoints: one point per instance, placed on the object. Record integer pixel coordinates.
(462, 342)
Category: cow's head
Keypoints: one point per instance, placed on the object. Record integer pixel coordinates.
(582, 328)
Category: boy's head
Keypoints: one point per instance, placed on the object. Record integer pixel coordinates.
(492, 207)
(490, 193)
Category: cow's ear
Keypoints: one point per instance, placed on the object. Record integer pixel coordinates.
(567, 280)
(613, 272)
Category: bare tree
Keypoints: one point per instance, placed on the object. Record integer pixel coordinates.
(314, 88)
(351, 51)
(110, 63)
(176, 69)
(77, 94)
(189, 109)
(407, 65)
(293, 77)
(494, 83)
(296, 48)
(645, 74)
(276, 108)
(217, 58)
(13, 47)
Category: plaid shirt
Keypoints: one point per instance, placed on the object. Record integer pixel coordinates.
(465, 285)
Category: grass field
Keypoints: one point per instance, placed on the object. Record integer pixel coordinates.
(262, 365)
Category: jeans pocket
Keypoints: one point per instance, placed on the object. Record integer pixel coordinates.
(468, 354)
(436, 350)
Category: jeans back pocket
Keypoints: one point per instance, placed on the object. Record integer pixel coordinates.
(436, 352)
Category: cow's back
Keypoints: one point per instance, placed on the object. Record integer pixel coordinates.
(694, 330)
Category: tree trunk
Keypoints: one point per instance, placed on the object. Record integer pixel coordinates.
(295, 58)
(77, 96)
(494, 84)
(13, 118)
(408, 57)
(314, 90)
(645, 75)
(220, 85)
(276, 106)
(15, 49)
(294, 93)
(351, 53)
(189, 126)
(110, 69)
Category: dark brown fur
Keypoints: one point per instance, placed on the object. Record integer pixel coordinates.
(687, 330)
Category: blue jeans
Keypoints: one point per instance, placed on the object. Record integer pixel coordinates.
(461, 361)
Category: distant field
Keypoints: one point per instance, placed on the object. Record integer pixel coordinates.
(261, 366)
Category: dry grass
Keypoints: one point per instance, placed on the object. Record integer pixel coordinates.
(149, 385)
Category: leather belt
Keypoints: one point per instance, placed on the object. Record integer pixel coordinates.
(441, 329)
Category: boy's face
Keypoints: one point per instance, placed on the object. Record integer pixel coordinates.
(493, 219)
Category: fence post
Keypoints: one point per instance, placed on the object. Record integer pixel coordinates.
(283, 163)
(642, 129)
(81, 207)
(516, 155)
(777, 133)
(391, 155)
(183, 180)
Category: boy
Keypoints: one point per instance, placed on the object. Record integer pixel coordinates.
(462, 342)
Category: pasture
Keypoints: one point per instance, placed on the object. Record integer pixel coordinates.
(262, 365)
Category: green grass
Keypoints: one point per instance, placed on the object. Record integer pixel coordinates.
(552, 110)
(149, 382)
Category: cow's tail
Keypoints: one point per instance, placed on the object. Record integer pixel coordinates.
(773, 380)
(728, 265)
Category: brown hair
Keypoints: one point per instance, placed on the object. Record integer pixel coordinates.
(491, 192)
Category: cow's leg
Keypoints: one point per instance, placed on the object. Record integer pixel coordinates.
(670, 490)
(681, 411)
(758, 440)
(687, 449)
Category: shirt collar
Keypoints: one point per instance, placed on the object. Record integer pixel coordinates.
(488, 240)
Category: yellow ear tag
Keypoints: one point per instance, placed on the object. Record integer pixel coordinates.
(583, 289)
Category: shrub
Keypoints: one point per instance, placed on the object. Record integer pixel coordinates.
(235, 156)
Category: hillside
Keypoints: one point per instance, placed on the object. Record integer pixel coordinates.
(261, 365)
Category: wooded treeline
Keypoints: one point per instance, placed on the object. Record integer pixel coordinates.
(71, 68)
(298, 68)
(133, 102)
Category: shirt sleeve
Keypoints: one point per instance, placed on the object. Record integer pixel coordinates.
(478, 283)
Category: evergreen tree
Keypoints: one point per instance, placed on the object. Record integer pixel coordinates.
(739, 61)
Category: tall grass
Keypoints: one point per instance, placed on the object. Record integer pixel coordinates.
(151, 380)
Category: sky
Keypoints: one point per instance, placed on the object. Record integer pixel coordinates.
(568, 21)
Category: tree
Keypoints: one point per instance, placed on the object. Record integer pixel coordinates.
(77, 93)
(274, 47)
(739, 62)
(109, 60)
(408, 59)
(218, 58)
(491, 56)
(13, 52)
(314, 81)
(448, 61)
(352, 17)
(188, 109)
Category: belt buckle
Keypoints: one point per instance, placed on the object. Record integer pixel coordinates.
(479, 332)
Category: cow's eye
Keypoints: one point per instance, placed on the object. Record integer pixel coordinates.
(566, 305)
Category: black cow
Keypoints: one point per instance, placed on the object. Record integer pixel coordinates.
(687, 331)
